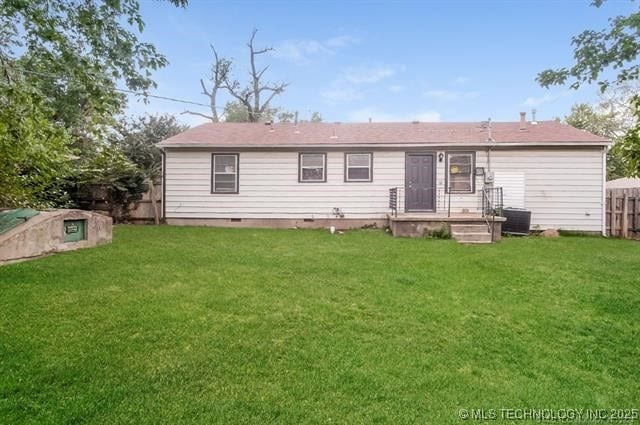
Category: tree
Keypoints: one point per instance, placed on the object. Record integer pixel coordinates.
(109, 176)
(60, 63)
(138, 138)
(316, 117)
(615, 48)
(74, 52)
(236, 112)
(606, 123)
(630, 143)
(35, 153)
(250, 96)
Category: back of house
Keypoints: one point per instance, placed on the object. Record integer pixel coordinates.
(355, 174)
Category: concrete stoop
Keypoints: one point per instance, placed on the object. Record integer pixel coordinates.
(470, 233)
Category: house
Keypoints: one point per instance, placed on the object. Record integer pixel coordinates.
(358, 174)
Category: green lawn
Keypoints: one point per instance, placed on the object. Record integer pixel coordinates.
(199, 325)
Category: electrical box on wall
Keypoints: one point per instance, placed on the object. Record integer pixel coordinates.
(488, 177)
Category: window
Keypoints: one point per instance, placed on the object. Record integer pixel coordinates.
(312, 167)
(357, 167)
(460, 175)
(224, 173)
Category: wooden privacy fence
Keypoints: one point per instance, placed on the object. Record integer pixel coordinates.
(623, 213)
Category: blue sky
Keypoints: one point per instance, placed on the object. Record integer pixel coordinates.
(389, 61)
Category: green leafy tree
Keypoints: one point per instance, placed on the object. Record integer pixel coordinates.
(70, 54)
(35, 153)
(605, 123)
(75, 51)
(616, 48)
(286, 116)
(235, 111)
(316, 117)
(630, 143)
(109, 176)
(138, 138)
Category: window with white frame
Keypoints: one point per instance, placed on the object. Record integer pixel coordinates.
(312, 167)
(358, 167)
(460, 172)
(224, 173)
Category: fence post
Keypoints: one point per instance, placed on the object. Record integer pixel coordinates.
(624, 223)
(612, 218)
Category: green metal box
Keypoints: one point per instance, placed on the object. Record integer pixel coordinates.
(74, 230)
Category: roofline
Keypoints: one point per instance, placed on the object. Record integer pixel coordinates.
(162, 145)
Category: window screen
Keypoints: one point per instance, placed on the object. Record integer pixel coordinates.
(225, 173)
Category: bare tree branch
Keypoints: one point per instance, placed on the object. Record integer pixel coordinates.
(198, 114)
(248, 96)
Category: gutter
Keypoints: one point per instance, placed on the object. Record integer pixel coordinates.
(164, 185)
(604, 192)
(379, 145)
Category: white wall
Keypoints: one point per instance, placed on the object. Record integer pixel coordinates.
(563, 188)
(269, 187)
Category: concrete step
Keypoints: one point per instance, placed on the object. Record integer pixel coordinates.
(472, 237)
(469, 228)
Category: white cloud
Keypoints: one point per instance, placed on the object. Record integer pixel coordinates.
(345, 94)
(301, 51)
(376, 115)
(395, 88)
(461, 81)
(448, 95)
(367, 74)
(342, 41)
(547, 98)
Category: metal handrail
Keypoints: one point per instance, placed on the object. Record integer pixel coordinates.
(492, 200)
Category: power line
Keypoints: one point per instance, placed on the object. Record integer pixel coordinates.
(154, 96)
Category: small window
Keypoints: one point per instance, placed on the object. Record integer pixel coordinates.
(358, 167)
(312, 167)
(224, 176)
(460, 172)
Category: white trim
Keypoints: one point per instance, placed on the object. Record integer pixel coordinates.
(368, 167)
(604, 191)
(379, 145)
(236, 158)
(323, 167)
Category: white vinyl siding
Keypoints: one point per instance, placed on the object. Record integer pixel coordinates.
(513, 187)
(562, 187)
(269, 187)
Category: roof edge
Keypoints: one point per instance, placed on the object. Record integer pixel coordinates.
(164, 144)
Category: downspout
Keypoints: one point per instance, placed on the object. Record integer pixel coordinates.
(603, 221)
(164, 186)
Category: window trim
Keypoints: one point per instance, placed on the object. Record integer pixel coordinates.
(471, 172)
(213, 173)
(346, 167)
(324, 163)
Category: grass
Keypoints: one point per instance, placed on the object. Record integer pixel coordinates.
(198, 325)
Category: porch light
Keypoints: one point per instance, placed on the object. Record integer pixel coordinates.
(440, 157)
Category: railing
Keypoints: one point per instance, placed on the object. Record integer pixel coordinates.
(492, 203)
(442, 200)
(393, 200)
